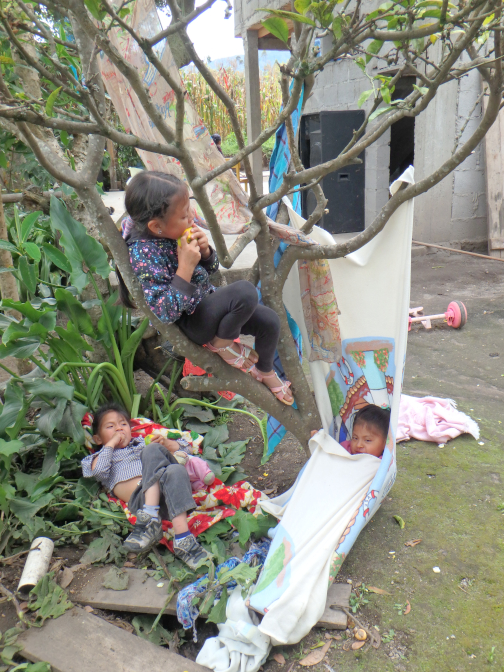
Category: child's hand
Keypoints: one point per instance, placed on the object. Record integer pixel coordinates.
(171, 446)
(201, 237)
(188, 257)
(116, 440)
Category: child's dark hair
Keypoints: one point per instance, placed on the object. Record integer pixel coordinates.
(107, 408)
(148, 195)
(375, 416)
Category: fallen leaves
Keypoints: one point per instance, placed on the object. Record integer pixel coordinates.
(408, 607)
(66, 577)
(378, 591)
(400, 522)
(413, 542)
(357, 645)
(279, 658)
(315, 656)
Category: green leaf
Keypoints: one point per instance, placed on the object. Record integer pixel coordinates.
(71, 421)
(26, 510)
(51, 100)
(374, 49)
(64, 138)
(144, 628)
(33, 251)
(233, 452)
(400, 522)
(116, 579)
(123, 13)
(302, 6)
(3, 160)
(337, 27)
(130, 347)
(216, 436)
(50, 417)
(218, 612)
(5, 245)
(277, 27)
(14, 398)
(21, 349)
(9, 448)
(51, 600)
(197, 426)
(53, 389)
(28, 275)
(96, 9)
(107, 548)
(28, 223)
(26, 309)
(245, 523)
(381, 110)
(364, 96)
(73, 339)
(73, 309)
(243, 574)
(289, 15)
(421, 89)
(194, 411)
(57, 257)
(79, 247)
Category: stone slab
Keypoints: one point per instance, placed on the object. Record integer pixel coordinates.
(144, 597)
(81, 642)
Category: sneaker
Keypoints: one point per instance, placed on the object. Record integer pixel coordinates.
(146, 532)
(189, 551)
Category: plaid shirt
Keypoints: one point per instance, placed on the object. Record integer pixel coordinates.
(115, 465)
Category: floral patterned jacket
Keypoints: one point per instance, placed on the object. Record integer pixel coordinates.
(155, 263)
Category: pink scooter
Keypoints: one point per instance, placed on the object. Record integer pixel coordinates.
(455, 316)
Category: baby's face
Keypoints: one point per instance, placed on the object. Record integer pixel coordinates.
(366, 439)
(113, 423)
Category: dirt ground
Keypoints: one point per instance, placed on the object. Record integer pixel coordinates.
(449, 497)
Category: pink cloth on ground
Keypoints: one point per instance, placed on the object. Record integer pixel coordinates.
(197, 469)
(432, 419)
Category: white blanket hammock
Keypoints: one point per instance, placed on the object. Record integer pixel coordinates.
(336, 494)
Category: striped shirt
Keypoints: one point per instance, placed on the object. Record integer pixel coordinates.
(115, 465)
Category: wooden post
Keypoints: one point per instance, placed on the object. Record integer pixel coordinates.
(112, 167)
(253, 95)
(494, 173)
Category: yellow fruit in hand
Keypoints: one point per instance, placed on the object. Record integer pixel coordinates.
(179, 240)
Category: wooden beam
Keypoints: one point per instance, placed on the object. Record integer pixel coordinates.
(270, 43)
(253, 97)
(112, 166)
(81, 642)
(494, 174)
(144, 597)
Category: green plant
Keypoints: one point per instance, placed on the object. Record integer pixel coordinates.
(388, 637)
(358, 598)
(491, 655)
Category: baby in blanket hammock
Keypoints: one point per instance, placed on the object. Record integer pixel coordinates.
(150, 479)
(369, 431)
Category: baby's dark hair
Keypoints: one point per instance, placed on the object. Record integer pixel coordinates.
(107, 408)
(148, 195)
(374, 416)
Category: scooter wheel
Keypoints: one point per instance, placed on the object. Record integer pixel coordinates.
(456, 314)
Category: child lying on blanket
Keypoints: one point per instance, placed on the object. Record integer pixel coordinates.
(369, 432)
(149, 478)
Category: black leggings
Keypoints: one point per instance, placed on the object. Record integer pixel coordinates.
(233, 310)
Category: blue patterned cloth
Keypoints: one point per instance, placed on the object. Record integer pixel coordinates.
(279, 164)
(187, 613)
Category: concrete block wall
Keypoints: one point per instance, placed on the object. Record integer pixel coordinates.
(453, 211)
